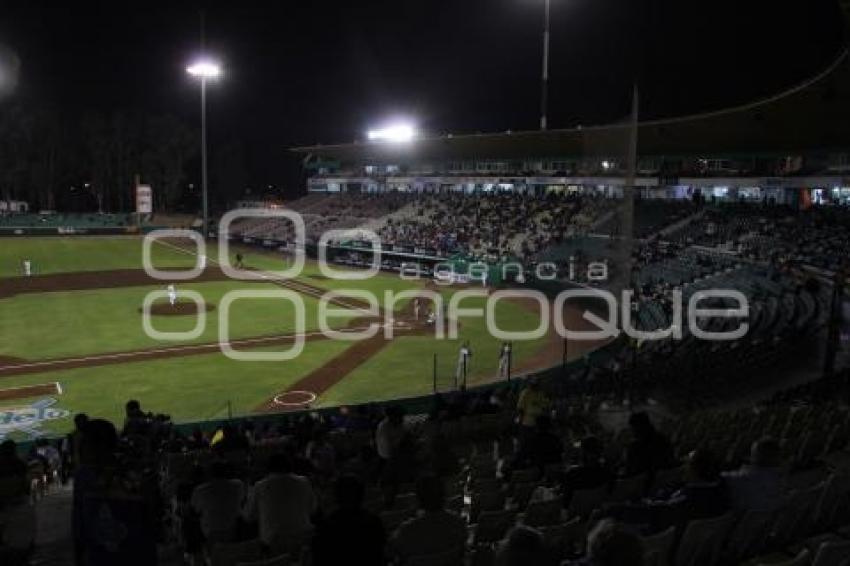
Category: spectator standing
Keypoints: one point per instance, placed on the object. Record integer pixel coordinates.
(136, 422)
(389, 434)
(282, 504)
(112, 522)
(531, 404)
(218, 502)
(759, 484)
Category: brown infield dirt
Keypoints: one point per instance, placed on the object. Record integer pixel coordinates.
(89, 280)
(180, 308)
(28, 391)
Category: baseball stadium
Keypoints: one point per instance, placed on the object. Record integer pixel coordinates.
(524, 210)
(624, 344)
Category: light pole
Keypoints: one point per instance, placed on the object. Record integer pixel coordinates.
(544, 82)
(204, 70)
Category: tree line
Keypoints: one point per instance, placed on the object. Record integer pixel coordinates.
(44, 153)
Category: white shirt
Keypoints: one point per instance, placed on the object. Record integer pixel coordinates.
(281, 504)
(387, 438)
(218, 502)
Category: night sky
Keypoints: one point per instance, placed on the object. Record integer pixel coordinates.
(308, 72)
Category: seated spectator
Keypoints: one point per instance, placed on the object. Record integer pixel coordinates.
(539, 448)
(282, 504)
(218, 502)
(703, 496)
(610, 544)
(436, 530)
(441, 456)
(350, 530)
(396, 450)
(321, 454)
(591, 473)
(649, 450)
(758, 485)
(364, 465)
(524, 546)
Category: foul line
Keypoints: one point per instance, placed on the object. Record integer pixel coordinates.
(154, 351)
(54, 384)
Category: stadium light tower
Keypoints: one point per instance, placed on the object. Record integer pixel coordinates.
(204, 70)
(544, 82)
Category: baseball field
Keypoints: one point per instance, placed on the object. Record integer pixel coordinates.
(72, 337)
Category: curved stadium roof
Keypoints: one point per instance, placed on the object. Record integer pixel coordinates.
(814, 115)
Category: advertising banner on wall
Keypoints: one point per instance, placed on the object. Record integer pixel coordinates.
(144, 199)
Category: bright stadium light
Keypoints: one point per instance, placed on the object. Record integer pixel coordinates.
(393, 133)
(205, 69)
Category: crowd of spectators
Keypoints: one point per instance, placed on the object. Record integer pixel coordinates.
(818, 236)
(489, 225)
(389, 488)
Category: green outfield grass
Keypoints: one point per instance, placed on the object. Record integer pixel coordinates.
(407, 363)
(191, 388)
(59, 324)
(82, 253)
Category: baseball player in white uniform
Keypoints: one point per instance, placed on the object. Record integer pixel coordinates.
(172, 294)
(504, 359)
(463, 363)
(27, 265)
(202, 262)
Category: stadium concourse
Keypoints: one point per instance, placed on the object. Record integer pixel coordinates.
(681, 452)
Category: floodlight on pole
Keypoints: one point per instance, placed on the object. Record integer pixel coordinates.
(204, 69)
(393, 133)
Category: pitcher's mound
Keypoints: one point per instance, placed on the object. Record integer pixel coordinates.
(181, 308)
